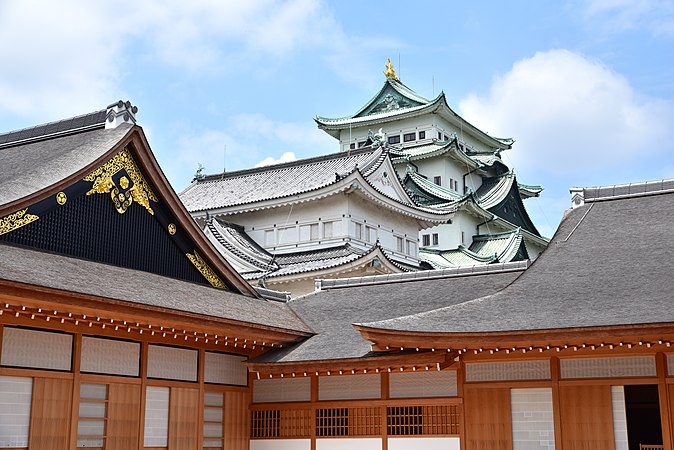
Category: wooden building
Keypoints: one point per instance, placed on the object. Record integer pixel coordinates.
(122, 326)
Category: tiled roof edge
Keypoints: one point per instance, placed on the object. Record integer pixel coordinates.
(620, 191)
(65, 132)
(323, 284)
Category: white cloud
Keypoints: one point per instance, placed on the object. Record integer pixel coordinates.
(655, 16)
(269, 161)
(68, 57)
(570, 115)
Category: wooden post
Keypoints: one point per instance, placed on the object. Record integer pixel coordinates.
(663, 394)
(75, 402)
(144, 346)
(314, 399)
(385, 395)
(555, 376)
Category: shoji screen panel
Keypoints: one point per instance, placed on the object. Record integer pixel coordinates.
(423, 384)
(222, 368)
(36, 349)
(349, 387)
(172, 363)
(15, 402)
(282, 390)
(50, 414)
(587, 417)
(487, 418)
(110, 356)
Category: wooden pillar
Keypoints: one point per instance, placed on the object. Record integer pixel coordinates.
(314, 399)
(200, 412)
(75, 400)
(143, 391)
(460, 380)
(663, 394)
(385, 395)
(555, 376)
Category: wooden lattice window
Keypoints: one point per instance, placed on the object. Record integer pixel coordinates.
(429, 420)
(91, 427)
(332, 422)
(213, 419)
(266, 423)
(364, 421)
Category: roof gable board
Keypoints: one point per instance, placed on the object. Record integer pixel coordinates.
(393, 96)
(118, 209)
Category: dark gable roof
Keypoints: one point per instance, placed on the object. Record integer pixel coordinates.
(609, 263)
(33, 165)
(64, 273)
(271, 182)
(331, 312)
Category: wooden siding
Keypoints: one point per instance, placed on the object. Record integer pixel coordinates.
(123, 416)
(183, 419)
(50, 413)
(487, 416)
(236, 420)
(587, 417)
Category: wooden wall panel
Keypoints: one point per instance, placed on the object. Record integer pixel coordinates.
(236, 420)
(488, 422)
(183, 419)
(50, 414)
(587, 417)
(123, 416)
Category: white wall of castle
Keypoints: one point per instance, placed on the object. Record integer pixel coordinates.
(434, 127)
(332, 221)
(451, 235)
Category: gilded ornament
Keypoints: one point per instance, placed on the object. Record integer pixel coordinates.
(389, 72)
(61, 198)
(205, 270)
(16, 220)
(172, 229)
(129, 190)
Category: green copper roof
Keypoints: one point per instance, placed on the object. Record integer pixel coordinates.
(529, 190)
(485, 249)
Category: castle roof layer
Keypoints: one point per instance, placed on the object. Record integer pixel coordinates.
(609, 264)
(331, 312)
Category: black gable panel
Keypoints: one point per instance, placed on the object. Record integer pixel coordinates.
(89, 227)
(512, 209)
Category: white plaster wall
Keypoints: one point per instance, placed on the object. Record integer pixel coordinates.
(351, 444)
(388, 224)
(534, 250)
(280, 444)
(398, 127)
(449, 235)
(444, 167)
(285, 224)
(426, 443)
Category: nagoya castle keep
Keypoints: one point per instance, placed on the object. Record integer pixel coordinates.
(413, 187)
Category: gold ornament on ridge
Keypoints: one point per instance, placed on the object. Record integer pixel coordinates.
(389, 72)
(128, 191)
(172, 229)
(16, 220)
(205, 270)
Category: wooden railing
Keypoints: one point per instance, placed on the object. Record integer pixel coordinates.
(344, 419)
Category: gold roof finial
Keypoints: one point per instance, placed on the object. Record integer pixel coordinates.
(389, 72)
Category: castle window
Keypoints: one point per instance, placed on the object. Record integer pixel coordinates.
(426, 240)
(359, 231)
(400, 244)
(394, 139)
(435, 238)
(439, 136)
(422, 135)
(437, 180)
(407, 137)
(352, 146)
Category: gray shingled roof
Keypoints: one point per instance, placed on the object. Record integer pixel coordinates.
(271, 182)
(32, 166)
(610, 263)
(330, 313)
(75, 275)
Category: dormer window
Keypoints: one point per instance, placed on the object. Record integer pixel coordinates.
(437, 180)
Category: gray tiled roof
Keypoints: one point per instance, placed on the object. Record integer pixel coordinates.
(331, 312)
(609, 263)
(30, 167)
(271, 182)
(75, 275)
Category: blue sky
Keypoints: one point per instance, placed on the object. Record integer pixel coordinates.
(586, 87)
